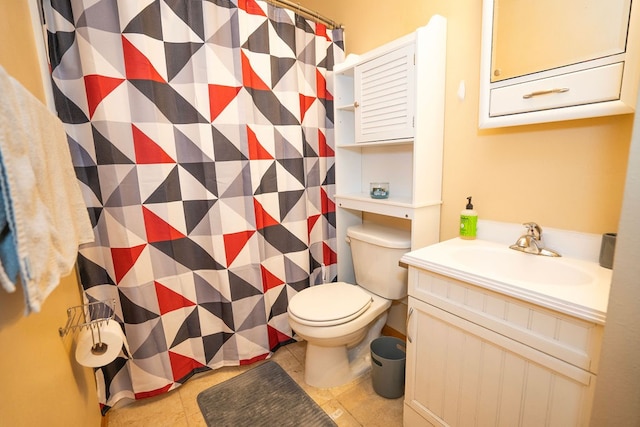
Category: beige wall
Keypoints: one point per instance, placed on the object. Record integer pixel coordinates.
(42, 385)
(17, 51)
(567, 175)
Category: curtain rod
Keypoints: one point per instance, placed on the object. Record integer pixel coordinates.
(306, 13)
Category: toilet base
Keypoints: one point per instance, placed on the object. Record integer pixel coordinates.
(327, 367)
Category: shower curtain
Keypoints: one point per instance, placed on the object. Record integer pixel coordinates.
(201, 134)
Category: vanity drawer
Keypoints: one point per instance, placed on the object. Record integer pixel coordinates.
(567, 338)
(584, 87)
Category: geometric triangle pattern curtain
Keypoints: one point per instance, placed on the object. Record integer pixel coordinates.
(202, 137)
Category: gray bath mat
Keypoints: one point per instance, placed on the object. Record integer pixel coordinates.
(263, 396)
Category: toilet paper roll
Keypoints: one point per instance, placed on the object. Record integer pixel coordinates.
(110, 334)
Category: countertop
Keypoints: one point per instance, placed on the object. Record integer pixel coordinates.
(573, 286)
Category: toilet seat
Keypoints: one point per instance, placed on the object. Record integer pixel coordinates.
(329, 304)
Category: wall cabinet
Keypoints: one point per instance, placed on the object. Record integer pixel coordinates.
(547, 61)
(476, 357)
(389, 119)
(384, 91)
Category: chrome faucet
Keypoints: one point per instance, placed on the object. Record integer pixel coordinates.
(531, 242)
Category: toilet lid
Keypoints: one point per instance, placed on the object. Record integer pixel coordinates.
(329, 304)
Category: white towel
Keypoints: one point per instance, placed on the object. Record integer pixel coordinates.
(50, 219)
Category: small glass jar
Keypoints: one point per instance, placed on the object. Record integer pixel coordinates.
(379, 190)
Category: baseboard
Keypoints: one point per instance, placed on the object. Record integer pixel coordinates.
(390, 332)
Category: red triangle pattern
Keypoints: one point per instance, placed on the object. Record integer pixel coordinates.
(311, 222)
(328, 205)
(169, 300)
(249, 77)
(151, 393)
(233, 244)
(256, 150)
(182, 365)
(321, 30)
(147, 151)
(263, 219)
(97, 88)
(158, 230)
(276, 337)
(321, 87)
(305, 104)
(251, 7)
(259, 357)
(329, 255)
(269, 280)
(124, 259)
(220, 97)
(137, 66)
(323, 149)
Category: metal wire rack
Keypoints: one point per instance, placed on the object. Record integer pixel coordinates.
(93, 314)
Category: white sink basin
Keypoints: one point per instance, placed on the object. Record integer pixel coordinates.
(511, 265)
(574, 286)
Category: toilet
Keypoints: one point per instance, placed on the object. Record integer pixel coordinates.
(339, 320)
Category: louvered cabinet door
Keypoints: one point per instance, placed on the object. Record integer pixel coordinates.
(385, 97)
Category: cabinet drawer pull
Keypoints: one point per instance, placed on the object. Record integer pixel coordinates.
(545, 92)
(407, 325)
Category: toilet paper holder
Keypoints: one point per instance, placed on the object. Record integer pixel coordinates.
(92, 315)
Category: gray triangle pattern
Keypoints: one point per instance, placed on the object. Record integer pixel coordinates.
(113, 190)
(187, 151)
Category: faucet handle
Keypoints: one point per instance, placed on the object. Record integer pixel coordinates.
(533, 230)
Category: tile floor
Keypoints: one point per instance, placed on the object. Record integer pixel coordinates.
(354, 404)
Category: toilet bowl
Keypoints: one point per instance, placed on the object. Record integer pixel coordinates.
(339, 320)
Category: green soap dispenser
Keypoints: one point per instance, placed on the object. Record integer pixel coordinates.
(468, 222)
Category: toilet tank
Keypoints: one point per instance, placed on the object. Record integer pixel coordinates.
(376, 251)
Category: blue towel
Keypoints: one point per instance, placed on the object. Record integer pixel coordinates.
(8, 244)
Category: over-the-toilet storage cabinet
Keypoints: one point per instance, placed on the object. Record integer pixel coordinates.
(389, 113)
(480, 358)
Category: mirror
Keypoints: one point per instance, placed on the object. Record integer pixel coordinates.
(550, 60)
(534, 36)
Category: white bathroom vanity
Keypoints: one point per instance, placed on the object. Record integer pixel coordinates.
(503, 338)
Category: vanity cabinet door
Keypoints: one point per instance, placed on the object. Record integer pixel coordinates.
(461, 374)
(385, 96)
